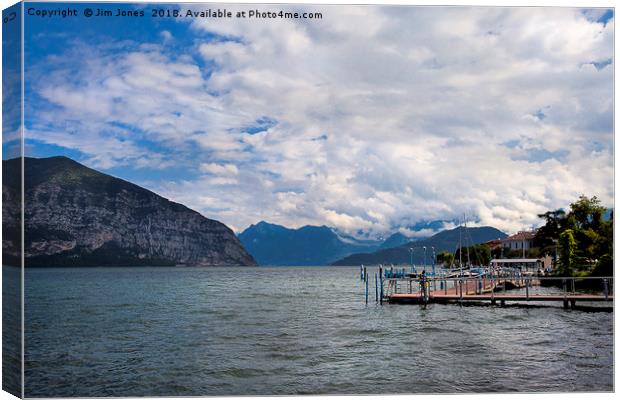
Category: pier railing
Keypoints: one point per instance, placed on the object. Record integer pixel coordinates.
(604, 285)
(502, 285)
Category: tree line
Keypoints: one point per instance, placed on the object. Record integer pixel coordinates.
(581, 241)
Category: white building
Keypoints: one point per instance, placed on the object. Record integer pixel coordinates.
(519, 241)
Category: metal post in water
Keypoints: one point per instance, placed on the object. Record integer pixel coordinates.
(381, 282)
(564, 286)
(376, 288)
(605, 288)
(527, 289)
(366, 281)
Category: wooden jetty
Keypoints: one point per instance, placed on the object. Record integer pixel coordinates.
(493, 289)
(498, 298)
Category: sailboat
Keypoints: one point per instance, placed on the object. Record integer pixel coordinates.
(466, 270)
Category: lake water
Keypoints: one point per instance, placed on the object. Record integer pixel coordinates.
(290, 330)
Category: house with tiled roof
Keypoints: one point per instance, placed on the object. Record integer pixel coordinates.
(494, 244)
(519, 241)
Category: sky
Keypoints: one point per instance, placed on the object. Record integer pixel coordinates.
(368, 120)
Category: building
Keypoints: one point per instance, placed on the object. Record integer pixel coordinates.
(519, 241)
(494, 244)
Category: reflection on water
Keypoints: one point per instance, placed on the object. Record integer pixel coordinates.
(290, 330)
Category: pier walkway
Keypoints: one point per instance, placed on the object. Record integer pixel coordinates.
(514, 288)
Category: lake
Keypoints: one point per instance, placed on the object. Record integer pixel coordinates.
(290, 330)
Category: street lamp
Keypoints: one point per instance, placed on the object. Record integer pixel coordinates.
(433, 259)
(411, 252)
(424, 247)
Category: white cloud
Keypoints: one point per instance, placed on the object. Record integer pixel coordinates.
(219, 169)
(384, 116)
(166, 36)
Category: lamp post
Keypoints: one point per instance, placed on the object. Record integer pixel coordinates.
(411, 252)
(433, 259)
(424, 268)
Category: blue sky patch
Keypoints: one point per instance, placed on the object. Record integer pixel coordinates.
(540, 155)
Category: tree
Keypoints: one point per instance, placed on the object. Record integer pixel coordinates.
(445, 258)
(481, 254)
(586, 218)
(588, 213)
(586, 236)
(568, 245)
(546, 234)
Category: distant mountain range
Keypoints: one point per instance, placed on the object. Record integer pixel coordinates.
(420, 230)
(76, 216)
(443, 241)
(272, 244)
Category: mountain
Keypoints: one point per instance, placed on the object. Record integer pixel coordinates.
(76, 216)
(420, 230)
(443, 241)
(395, 240)
(272, 244)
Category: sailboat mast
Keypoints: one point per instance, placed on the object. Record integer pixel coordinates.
(467, 247)
(461, 248)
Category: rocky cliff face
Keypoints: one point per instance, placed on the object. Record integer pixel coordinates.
(77, 216)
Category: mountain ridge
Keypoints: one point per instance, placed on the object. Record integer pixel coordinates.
(272, 244)
(76, 215)
(446, 240)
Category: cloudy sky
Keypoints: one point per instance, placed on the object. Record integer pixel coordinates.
(368, 119)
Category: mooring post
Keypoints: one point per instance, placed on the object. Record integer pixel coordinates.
(564, 290)
(564, 287)
(527, 289)
(362, 272)
(376, 288)
(461, 287)
(366, 281)
(605, 288)
(381, 282)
